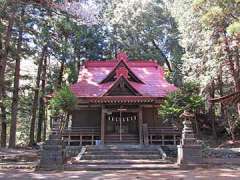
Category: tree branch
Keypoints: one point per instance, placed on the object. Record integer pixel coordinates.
(163, 55)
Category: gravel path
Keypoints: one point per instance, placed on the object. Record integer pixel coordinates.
(222, 173)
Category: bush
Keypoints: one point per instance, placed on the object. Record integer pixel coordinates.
(64, 101)
(185, 98)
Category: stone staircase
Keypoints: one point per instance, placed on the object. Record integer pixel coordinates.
(120, 157)
(18, 158)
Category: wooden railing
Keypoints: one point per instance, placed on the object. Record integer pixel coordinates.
(164, 135)
(78, 136)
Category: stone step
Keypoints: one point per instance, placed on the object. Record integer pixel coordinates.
(122, 149)
(122, 161)
(119, 146)
(18, 158)
(122, 152)
(18, 165)
(117, 156)
(99, 167)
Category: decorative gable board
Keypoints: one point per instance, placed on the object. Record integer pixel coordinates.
(122, 88)
(121, 65)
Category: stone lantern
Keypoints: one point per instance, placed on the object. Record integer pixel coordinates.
(189, 151)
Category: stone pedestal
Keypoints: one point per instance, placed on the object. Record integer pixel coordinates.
(189, 154)
(189, 151)
(52, 157)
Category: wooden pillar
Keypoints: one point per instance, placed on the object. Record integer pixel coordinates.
(174, 140)
(69, 139)
(140, 123)
(102, 125)
(145, 134)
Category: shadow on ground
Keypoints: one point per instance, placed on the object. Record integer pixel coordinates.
(219, 173)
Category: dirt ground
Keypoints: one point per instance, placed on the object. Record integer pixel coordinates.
(219, 173)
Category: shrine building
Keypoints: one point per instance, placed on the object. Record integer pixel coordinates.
(118, 102)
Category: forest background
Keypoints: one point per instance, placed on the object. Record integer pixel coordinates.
(43, 44)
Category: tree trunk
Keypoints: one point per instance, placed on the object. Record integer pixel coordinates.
(41, 116)
(4, 127)
(234, 67)
(197, 124)
(211, 111)
(2, 108)
(60, 76)
(236, 76)
(220, 87)
(15, 98)
(45, 125)
(3, 62)
(36, 94)
(231, 124)
(63, 60)
(4, 52)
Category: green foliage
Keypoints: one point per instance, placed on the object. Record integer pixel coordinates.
(198, 3)
(234, 28)
(24, 114)
(145, 30)
(214, 16)
(63, 101)
(171, 108)
(1, 28)
(186, 98)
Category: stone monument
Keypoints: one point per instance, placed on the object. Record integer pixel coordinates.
(52, 153)
(189, 151)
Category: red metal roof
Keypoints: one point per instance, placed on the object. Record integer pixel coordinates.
(149, 72)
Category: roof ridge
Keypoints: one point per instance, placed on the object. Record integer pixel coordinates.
(113, 62)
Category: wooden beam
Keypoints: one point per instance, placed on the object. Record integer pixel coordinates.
(116, 110)
(88, 106)
(140, 123)
(226, 98)
(151, 106)
(102, 125)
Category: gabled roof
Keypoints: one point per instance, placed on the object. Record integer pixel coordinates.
(122, 83)
(121, 63)
(93, 78)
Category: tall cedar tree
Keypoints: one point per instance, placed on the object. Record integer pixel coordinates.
(41, 115)
(3, 62)
(15, 98)
(36, 95)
